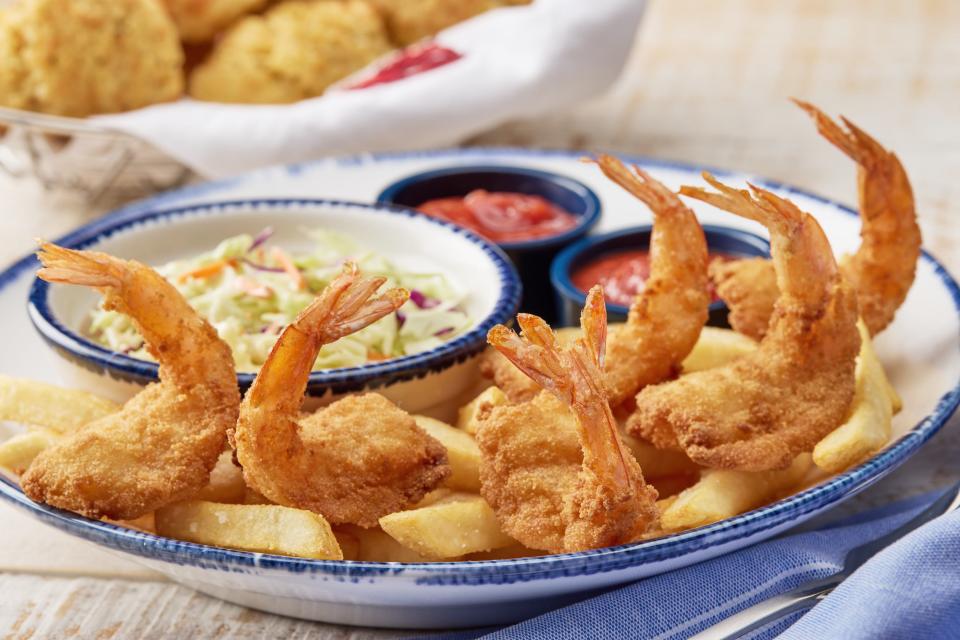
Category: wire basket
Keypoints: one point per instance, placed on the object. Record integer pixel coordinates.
(72, 154)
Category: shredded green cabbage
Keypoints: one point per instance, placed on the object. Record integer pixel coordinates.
(250, 306)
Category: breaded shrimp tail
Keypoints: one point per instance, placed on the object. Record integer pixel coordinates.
(610, 503)
(883, 268)
(163, 444)
(759, 412)
(352, 462)
(665, 318)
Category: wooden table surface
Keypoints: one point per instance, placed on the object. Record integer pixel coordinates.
(707, 82)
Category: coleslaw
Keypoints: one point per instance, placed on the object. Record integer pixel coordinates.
(250, 291)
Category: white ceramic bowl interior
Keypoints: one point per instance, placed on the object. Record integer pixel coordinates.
(412, 242)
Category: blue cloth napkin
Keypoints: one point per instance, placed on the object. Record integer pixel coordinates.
(910, 590)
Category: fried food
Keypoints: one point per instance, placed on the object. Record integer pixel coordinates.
(292, 52)
(749, 289)
(763, 409)
(870, 423)
(549, 490)
(463, 454)
(411, 20)
(226, 482)
(717, 347)
(665, 319)
(201, 20)
(354, 461)
(375, 545)
(261, 528)
(16, 90)
(79, 57)
(454, 526)
(722, 494)
(472, 413)
(19, 451)
(161, 446)
(883, 268)
(47, 405)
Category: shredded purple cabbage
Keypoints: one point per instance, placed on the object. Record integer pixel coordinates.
(443, 332)
(260, 238)
(260, 267)
(401, 318)
(422, 301)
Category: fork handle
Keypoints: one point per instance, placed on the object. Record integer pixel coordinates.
(751, 619)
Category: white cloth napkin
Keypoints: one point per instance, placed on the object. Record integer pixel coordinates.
(516, 62)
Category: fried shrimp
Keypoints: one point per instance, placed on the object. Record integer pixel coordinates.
(883, 268)
(352, 462)
(551, 486)
(665, 318)
(760, 411)
(164, 442)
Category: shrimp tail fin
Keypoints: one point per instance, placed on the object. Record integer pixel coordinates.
(638, 183)
(86, 268)
(762, 206)
(593, 320)
(855, 143)
(535, 353)
(348, 305)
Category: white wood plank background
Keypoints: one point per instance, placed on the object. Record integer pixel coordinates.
(707, 83)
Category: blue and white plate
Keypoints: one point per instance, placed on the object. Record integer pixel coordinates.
(921, 351)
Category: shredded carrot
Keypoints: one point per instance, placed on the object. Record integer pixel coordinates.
(286, 263)
(208, 270)
(373, 356)
(254, 288)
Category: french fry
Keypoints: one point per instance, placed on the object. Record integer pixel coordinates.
(226, 482)
(250, 496)
(505, 553)
(455, 526)
(723, 494)
(717, 347)
(433, 497)
(376, 546)
(146, 523)
(657, 463)
(463, 454)
(471, 413)
(263, 528)
(18, 452)
(667, 486)
(46, 405)
(665, 503)
(349, 543)
(869, 426)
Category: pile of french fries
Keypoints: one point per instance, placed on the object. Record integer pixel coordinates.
(454, 522)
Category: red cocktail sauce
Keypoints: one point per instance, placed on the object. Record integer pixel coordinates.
(502, 216)
(623, 274)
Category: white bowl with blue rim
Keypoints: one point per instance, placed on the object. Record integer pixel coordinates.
(920, 350)
(570, 299)
(420, 382)
(531, 257)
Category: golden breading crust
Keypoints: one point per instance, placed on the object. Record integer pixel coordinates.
(201, 20)
(80, 57)
(530, 469)
(14, 88)
(294, 51)
(412, 20)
